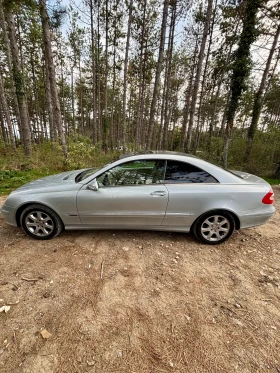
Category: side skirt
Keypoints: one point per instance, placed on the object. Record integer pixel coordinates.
(125, 228)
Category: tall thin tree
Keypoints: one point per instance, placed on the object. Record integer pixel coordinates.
(241, 68)
(157, 77)
(258, 98)
(18, 78)
(198, 73)
(52, 78)
(125, 75)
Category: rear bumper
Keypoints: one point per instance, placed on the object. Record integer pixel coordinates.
(256, 218)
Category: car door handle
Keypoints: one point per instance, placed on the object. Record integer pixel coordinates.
(158, 193)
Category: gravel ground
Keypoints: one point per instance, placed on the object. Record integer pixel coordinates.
(142, 302)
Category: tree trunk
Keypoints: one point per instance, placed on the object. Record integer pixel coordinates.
(105, 117)
(140, 131)
(93, 72)
(125, 76)
(167, 109)
(52, 78)
(198, 73)
(98, 93)
(163, 104)
(187, 103)
(9, 63)
(81, 99)
(157, 78)
(204, 78)
(212, 120)
(114, 128)
(5, 110)
(258, 99)
(2, 123)
(19, 85)
(53, 134)
(241, 68)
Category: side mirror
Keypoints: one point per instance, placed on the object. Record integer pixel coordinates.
(93, 185)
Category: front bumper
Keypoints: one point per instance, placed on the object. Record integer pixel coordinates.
(9, 214)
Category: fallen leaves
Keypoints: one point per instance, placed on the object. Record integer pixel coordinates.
(5, 309)
(45, 334)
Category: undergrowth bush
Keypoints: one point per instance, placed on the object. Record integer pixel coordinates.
(264, 157)
(47, 158)
(82, 154)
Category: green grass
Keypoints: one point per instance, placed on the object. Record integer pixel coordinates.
(272, 181)
(47, 159)
(12, 179)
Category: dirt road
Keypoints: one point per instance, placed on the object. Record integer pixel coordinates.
(142, 302)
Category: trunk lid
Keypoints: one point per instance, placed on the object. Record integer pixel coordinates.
(249, 177)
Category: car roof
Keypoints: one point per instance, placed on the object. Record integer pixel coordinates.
(223, 176)
(157, 152)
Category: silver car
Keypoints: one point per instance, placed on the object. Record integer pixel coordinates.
(164, 191)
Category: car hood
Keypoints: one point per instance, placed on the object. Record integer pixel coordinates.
(249, 177)
(51, 181)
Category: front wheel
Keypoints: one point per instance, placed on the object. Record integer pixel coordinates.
(40, 222)
(214, 228)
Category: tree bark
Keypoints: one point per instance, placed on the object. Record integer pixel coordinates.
(105, 117)
(3, 127)
(241, 69)
(125, 76)
(204, 78)
(53, 133)
(157, 78)
(187, 102)
(52, 78)
(98, 90)
(19, 85)
(198, 73)
(258, 99)
(9, 63)
(93, 72)
(167, 109)
(6, 112)
(140, 131)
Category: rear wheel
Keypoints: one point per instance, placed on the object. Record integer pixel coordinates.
(40, 222)
(214, 228)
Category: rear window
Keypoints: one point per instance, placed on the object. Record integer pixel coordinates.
(181, 172)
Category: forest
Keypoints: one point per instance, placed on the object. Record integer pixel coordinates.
(81, 81)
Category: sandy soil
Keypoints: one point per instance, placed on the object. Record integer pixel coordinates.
(140, 302)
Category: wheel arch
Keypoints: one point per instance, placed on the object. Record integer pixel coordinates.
(25, 205)
(220, 211)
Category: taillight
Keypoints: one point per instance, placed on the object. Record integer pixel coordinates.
(268, 199)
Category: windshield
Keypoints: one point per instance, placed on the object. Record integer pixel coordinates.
(88, 172)
(84, 174)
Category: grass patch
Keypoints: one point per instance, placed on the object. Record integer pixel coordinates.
(12, 179)
(272, 181)
(47, 159)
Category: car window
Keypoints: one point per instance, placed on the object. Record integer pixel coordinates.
(134, 173)
(181, 172)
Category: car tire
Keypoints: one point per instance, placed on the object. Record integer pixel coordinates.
(41, 222)
(214, 227)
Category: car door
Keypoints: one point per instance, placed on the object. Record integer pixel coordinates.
(191, 192)
(129, 195)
